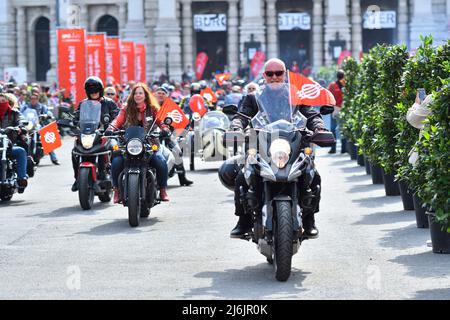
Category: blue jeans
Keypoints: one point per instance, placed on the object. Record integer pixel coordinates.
(20, 155)
(53, 156)
(158, 162)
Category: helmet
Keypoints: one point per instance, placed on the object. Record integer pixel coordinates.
(228, 172)
(203, 84)
(195, 88)
(93, 85)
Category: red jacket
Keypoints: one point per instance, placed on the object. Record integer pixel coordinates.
(119, 121)
(337, 93)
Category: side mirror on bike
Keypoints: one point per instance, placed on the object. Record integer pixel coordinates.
(230, 109)
(168, 121)
(323, 139)
(106, 119)
(324, 110)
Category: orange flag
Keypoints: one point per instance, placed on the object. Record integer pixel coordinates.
(222, 77)
(171, 109)
(209, 95)
(305, 91)
(50, 137)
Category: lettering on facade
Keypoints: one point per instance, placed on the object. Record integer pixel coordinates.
(210, 22)
(380, 20)
(294, 21)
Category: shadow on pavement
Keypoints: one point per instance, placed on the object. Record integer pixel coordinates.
(121, 226)
(358, 178)
(406, 237)
(376, 202)
(254, 282)
(355, 169)
(379, 218)
(73, 210)
(433, 294)
(366, 187)
(15, 203)
(426, 265)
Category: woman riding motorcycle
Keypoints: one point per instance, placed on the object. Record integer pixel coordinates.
(139, 111)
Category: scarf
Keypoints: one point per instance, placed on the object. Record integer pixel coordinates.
(3, 107)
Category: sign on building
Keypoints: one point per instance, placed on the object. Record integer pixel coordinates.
(293, 21)
(210, 22)
(380, 20)
(18, 75)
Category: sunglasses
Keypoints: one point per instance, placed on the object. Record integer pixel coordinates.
(111, 94)
(271, 73)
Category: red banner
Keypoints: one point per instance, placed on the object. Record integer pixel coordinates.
(128, 61)
(257, 63)
(72, 62)
(202, 60)
(344, 54)
(141, 72)
(305, 91)
(171, 109)
(50, 137)
(96, 56)
(113, 61)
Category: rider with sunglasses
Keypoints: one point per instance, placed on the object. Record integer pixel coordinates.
(275, 76)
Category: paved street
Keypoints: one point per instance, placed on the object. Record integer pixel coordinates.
(369, 248)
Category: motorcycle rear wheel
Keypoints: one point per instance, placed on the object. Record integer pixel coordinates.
(283, 237)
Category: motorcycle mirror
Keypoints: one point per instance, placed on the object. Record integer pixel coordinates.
(168, 121)
(230, 109)
(25, 123)
(106, 119)
(323, 139)
(324, 110)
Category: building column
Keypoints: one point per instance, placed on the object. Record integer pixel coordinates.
(51, 74)
(188, 54)
(7, 38)
(272, 29)
(356, 29)
(21, 38)
(337, 22)
(122, 18)
(167, 32)
(133, 30)
(317, 35)
(84, 16)
(252, 24)
(233, 30)
(403, 22)
(422, 22)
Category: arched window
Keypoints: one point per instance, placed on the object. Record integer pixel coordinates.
(42, 48)
(108, 24)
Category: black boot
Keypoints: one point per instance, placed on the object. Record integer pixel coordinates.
(75, 186)
(309, 226)
(243, 226)
(183, 180)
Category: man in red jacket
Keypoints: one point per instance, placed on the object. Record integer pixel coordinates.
(336, 89)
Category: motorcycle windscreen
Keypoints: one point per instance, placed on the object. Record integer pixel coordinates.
(215, 120)
(135, 132)
(32, 117)
(275, 110)
(90, 111)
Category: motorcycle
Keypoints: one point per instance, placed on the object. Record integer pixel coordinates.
(137, 181)
(90, 145)
(278, 153)
(65, 121)
(8, 175)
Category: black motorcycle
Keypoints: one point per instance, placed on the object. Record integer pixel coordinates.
(90, 145)
(8, 167)
(278, 155)
(137, 181)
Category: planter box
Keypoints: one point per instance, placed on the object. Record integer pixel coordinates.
(439, 239)
(367, 164)
(390, 186)
(406, 194)
(421, 217)
(377, 174)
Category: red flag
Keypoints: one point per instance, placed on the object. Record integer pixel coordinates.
(141, 73)
(128, 61)
(72, 62)
(113, 61)
(50, 137)
(96, 58)
(171, 109)
(344, 54)
(221, 78)
(197, 104)
(305, 91)
(257, 63)
(209, 95)
(202, 60)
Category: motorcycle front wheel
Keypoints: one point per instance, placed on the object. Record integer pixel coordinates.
(85, 188)
(134, 200)
(283, 237)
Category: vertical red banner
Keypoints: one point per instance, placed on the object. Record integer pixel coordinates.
(128, 61)
(72, 62)
(202, 60)
(141, 72)
(96, 55)
(257, 63)
(113, 61)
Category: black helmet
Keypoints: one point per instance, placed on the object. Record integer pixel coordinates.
(93, 85)
(228, 172)
(195, 88)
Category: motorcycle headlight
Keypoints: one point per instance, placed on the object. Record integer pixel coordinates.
(134, 147)
(87, 140)
(279, 152)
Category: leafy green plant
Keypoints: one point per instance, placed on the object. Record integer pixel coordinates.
(348, 115)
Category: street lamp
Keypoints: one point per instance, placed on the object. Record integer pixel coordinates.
(167, 61)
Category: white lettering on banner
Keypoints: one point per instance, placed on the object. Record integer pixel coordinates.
(97, 63)
(292, 21)
(210, 22)
(71, 54)
(109, 62)
(380, 20)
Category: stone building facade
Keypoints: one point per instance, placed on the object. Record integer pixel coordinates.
(311, 32)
